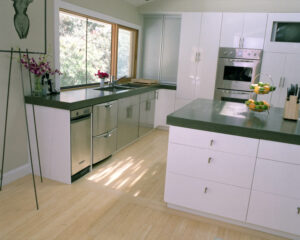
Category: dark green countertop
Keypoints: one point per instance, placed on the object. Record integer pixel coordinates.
(236, 119)
(75, 99)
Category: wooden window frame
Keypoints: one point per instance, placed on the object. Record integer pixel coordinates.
(114, 48)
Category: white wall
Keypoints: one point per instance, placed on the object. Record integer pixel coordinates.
(115, 8)
(221, 5)
(16, 146)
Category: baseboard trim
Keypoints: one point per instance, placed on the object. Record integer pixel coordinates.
(235, 222)
(16, 173)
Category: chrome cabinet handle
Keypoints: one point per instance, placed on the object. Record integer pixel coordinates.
(298, 210)
(129, 111)
(156, 95)
(81, 162)
(209, 160)
(280, 82)
(205, 190)
(283, 81)
(108, 135)
(211, 142)
(108, 105)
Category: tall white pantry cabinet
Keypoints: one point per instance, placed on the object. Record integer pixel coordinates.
(198, 56)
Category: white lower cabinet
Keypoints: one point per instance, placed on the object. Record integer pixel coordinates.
(255, 182)
(275, 212)
(211, 165)
(165, 104)
(210, 197)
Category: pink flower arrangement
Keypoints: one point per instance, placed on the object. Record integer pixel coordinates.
(40, 67)
(102, 75)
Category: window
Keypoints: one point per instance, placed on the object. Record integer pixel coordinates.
(88, 44)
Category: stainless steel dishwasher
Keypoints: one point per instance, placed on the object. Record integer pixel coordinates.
(80, 142)
(104, 130)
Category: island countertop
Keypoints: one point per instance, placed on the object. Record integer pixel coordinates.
(76, 99)
(236, 119)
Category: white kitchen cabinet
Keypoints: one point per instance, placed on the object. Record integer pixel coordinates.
(161, 47)
(214, 141)
(243, 30)
(274, 212)
(277, 177)
(198, 55)
(165, 104)
(283, 68)
(255, 182)
(153, 26)
(207, 196)
(211, 165)
(273, 45)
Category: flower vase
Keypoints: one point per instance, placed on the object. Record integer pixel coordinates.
(102, 82)
(38, 88)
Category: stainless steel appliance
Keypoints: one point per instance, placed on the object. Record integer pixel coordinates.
(147, 112)
(128, 121)
(80, 142)
(104, 130)
(237, 69)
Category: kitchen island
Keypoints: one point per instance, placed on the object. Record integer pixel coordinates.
(231, 164)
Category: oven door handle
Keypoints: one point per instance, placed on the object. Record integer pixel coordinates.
(236, 60)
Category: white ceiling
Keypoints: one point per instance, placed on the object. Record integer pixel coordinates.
(139, 2)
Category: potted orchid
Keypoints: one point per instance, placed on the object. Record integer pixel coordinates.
(102, 76)
(40, 69)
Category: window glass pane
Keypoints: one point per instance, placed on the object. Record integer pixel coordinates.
(72, 37)
(126, 51)
(98, 49)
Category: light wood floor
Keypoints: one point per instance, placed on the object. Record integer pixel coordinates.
(121, 199)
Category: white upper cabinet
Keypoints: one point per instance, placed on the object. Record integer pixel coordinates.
(153, 26)
(160, 48)
(232, 29)
(283, 33)
(198, 55)
(243, 30)
(189, 46)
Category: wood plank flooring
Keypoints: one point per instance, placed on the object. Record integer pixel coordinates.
(121, 199)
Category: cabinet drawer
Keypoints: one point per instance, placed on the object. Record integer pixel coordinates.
(214, 141)
(104, 145)
(279, 151)
(206, 196)
(129, 101)
(147, 96)
(104, 117)
(277, 177)
(217, 166)
(274, 212)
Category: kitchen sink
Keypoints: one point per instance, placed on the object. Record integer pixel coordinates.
(114, 89)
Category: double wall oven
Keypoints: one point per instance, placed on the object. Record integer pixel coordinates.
(237, 69)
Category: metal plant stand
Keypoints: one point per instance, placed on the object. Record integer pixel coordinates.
(27, 128)
(28, 137)
(6, 115)
(34, 119)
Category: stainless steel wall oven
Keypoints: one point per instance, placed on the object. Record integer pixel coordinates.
(237, 69)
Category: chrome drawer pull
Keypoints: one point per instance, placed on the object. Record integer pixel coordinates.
(81, 162)
(205, 190)
(299, 210)
(108, 105)
(211, 142)
(209, 160)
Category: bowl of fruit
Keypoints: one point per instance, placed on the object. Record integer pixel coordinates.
(262, 88)
(258, 106)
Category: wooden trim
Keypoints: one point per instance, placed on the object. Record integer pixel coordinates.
(84, 16)
(114, 46)
(114, 51)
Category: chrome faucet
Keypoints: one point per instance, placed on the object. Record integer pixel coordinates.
(114, 82)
